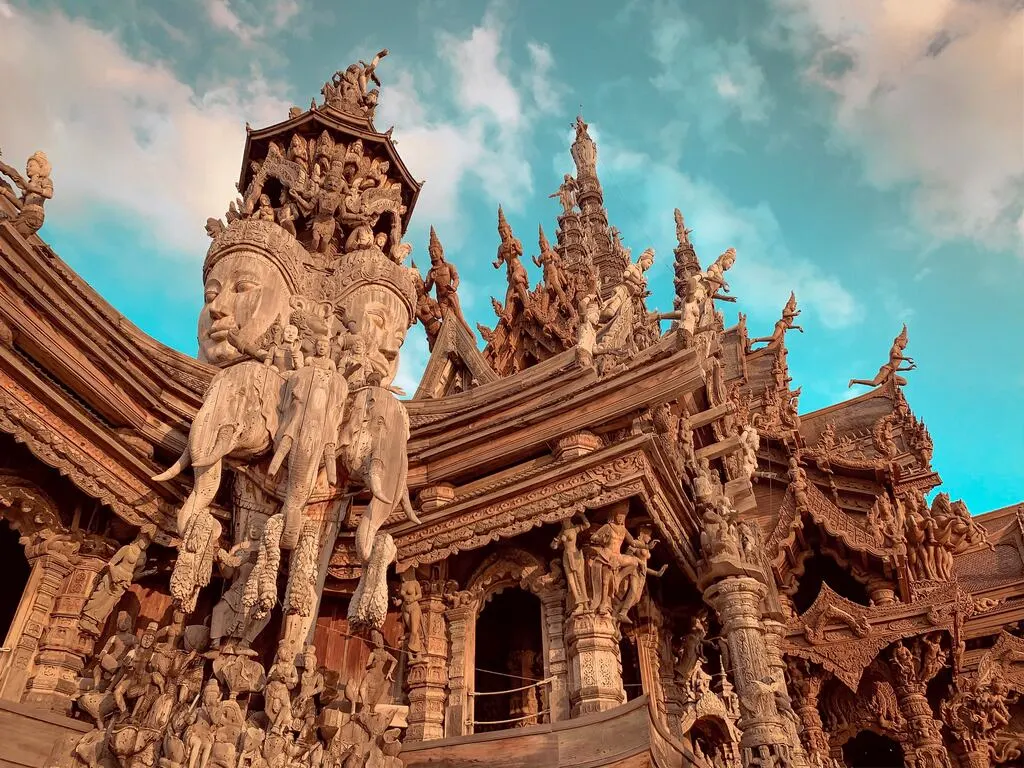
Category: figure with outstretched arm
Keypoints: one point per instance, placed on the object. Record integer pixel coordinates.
(892, 368)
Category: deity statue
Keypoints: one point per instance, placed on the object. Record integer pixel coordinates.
(891, 369)
(36, 188)
(235, 616)
(566, 194)
(789, 314)
(573, 562)
(428, 310)
(127, 565)
(510, 251)
(636, 577)
(586, 332)
(608, 564)
(554, 277)
(444, 278)
(410, 594)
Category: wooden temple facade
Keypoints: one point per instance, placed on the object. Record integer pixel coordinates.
(621, 544)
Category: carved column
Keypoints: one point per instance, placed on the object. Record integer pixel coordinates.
(806, 679)
(555, 665)
(48, 574)
(737, 600)
(911, 673)
(595, 666)
(428, 673)
(462, 633)
(774, 632)
(63, 646)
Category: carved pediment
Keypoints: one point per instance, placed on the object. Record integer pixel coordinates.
(845, 637)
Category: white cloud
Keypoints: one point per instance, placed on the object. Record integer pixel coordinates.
(222, 16)
(483, 136)
(124, 134)
(930, 91)
(765, 271)
(712, 79)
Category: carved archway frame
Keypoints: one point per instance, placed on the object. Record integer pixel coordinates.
(34, 514)
(509, 567)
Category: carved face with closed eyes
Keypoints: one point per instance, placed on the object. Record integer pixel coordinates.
(244, 295)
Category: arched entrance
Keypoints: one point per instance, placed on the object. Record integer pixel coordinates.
(14, 573)
(710, 737)
(509, 655)
(871, 750)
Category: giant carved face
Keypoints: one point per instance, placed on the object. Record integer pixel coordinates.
(382, 319)
(246, 294)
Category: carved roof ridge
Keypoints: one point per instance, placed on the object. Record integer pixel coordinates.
(455, 341)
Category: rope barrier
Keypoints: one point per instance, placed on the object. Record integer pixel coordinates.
(405, 652)
(545, 681)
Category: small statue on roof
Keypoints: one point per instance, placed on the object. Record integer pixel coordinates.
(36, 188)
(890, 371)
(348, 90)
(789, 314)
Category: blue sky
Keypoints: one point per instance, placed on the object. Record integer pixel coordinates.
(868, 155)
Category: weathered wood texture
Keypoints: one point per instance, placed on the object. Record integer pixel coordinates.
(620, 738)
(27, 735)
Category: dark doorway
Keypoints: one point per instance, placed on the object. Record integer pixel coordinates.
(819, 569)
(14, 573)
(631, 680)
(509, 655)
(870, 750)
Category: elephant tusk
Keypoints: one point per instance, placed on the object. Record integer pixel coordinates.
(375, 481)
(176, 468)
(221, 448)
(407, 505)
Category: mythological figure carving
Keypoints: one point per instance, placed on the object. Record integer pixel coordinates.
(127, 565)
(934, 535)
(36, 188)
(444, 278)
(890, 371)
(573, 562)
(510, 251)
(789, 314)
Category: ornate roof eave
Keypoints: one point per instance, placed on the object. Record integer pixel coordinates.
(81, 383)
(327, 118)
(832, 521)
(550, 492)
(515, 417)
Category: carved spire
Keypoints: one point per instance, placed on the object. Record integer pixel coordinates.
(435, 244)
(686, 264)
(503, 225)
(584, 150)
(542, 240)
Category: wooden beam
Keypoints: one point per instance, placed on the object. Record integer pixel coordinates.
(711, 414)
(721, 448)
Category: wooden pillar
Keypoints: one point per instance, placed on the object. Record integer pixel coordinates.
(428, 672)
(462, 631)
(737, 600)
(807, 679)
(911, 673)
(595, 664)
(37, 601)
(63, 646)
(774, 632)
(555, 663)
